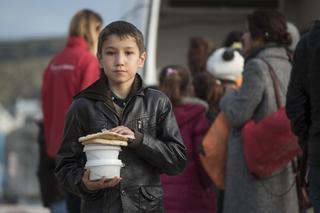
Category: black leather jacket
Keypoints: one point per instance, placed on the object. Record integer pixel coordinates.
(158, 148)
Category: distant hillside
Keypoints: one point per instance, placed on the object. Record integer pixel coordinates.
(21, 67)
(14, 50)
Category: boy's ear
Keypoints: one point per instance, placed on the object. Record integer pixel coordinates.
(100, 65)
(100, 62)
(142, 59)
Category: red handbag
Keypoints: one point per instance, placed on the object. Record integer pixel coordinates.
(269, 144)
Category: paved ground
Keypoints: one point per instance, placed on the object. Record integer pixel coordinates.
(22, 209)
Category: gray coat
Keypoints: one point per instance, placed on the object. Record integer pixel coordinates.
(254, 100)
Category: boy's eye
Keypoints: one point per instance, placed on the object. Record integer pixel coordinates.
(109, 53)
(129, 52)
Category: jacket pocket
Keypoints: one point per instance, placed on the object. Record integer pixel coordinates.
(144, 124)
(151, 199)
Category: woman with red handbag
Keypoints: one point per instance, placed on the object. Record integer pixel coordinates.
(264, 43)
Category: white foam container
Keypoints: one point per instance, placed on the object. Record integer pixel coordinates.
(108, 168)
(100, 151)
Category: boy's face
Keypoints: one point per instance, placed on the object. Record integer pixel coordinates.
(121, 59)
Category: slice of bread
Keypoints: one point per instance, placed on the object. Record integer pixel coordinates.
(105, 142)
(103, 135)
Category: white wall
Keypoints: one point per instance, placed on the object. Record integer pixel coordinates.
(178, 25)
(301, 12)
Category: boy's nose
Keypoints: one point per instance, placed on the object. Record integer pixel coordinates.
(120, 59)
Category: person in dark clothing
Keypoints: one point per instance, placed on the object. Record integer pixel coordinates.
(49, 191)
(121, 103)
(303, 105)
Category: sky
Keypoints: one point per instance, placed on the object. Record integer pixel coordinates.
(24, 19)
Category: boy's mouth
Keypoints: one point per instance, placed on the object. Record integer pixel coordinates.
(119, 71)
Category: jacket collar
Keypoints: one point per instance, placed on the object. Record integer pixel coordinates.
(77, 41)
(268, 49)
(101, 91)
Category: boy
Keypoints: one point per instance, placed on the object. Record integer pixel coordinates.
(121, 103)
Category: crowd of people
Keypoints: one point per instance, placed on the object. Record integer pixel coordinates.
(93, 85)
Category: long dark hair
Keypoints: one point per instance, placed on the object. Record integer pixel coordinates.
(175, 82)
(198, 52)
(269, 25)
(208, 88)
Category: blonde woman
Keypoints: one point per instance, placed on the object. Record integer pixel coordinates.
(70, 71)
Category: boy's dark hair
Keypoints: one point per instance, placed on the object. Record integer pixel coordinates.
(122, 29)
(270, 25)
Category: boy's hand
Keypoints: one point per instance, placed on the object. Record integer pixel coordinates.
(100, 184)
(123, 130)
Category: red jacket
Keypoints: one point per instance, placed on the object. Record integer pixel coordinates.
(70, 71)
(191, 190)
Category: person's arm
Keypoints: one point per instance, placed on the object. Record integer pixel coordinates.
(239, 105)
(70, 162)
(166, 152)
(297, 100)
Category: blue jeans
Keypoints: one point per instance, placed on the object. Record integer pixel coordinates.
(314, 187)
(58, 207)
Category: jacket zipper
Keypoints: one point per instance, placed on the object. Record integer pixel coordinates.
(139, 122)
(119, 121)
(139, 125)
(124, 110)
